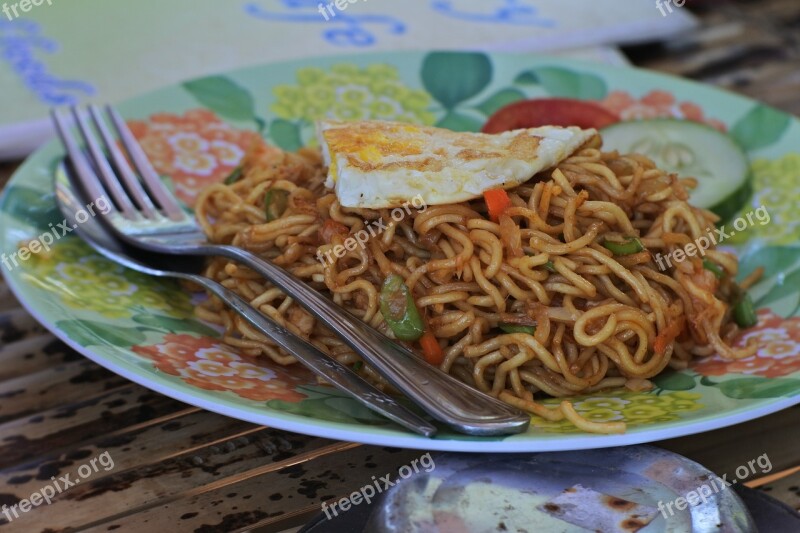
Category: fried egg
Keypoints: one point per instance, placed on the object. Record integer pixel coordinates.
(377, 164)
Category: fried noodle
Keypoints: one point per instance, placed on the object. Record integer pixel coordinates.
(601, 320)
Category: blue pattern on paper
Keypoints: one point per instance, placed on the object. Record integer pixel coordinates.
(348, 30)
(517, 12)
(19, 41)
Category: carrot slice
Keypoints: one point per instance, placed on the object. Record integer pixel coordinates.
(497, 201)
(667, 335)
(430, 348)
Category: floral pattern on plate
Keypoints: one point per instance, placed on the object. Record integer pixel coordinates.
(656, 104)
(775, 185)
(194, 149)
(778, 353)
(348, 92)
(83, 280)
(212, 365)
(635, 409)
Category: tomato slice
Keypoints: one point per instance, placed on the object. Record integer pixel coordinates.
(549, 112)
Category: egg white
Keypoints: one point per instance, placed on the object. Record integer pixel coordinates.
(379, 164)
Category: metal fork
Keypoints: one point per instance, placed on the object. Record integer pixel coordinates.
(149, 217)
(187, 268)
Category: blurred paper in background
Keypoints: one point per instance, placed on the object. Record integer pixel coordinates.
(66, 52)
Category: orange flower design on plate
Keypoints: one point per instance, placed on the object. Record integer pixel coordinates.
(210, 365)
(195, 149)
(778, 353)
(655, 104)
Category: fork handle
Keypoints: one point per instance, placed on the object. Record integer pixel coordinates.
(446, 399)
(318, 362)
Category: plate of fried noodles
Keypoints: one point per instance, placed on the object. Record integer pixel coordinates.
(640, 283)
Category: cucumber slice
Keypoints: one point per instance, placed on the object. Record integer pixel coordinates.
(690, 149)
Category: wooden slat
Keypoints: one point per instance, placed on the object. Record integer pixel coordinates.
(6, 169)
(724, 449)
(55, 386)
(7, 299)
(269, 496)
(16, 325)
(772, 477)
(786, 489)
(154, 480)
(774, 12)
(69, 426)
(34, 354)
(172, 445)
(749, 47)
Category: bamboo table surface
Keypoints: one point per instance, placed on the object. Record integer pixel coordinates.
(179, 468)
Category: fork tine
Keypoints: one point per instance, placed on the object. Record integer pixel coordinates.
(109, 180)
(127, 175)
(86, 174)
(162, 195)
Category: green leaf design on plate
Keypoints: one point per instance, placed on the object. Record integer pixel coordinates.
(314, 392)
(334, 409)
(526, 78)
(92, 333)
(674, 381)
(777, 262)
(224, 97)
(286, 135)
(32, 207)
(759, 387)
(174, 325)
(52, 166)
(760, 127)
(500, 99)
(312, 409)
(360, 412)
(453, 77)
(774, 259)
(565, 83)
(785, 286)
(261, 124)
(459, 122)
